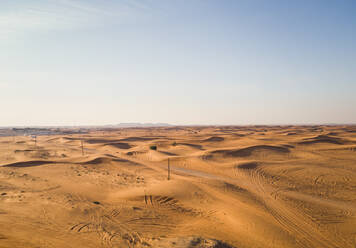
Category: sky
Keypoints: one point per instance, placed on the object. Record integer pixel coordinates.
(222, 62)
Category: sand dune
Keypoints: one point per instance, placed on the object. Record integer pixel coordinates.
(214, 139)
(254, 186)
(133, 139)
(120, 145)
(27, 163)
(98, 160)
(199, 147)
(247, 151)
(100, 141)
(323, 139)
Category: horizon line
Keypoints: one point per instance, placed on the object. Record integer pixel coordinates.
(142, 125)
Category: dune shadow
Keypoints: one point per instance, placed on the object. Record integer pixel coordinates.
(323, 139)
(247, 151)
(200, 147)
(28, 163)
(120, 145)
(138, 139)
(214, 139)
(247, 166)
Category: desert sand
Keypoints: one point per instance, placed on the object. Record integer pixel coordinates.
(253, 186)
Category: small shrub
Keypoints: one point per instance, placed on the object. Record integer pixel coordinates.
(153, 148)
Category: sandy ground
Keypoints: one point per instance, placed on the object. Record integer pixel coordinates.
(229, 187)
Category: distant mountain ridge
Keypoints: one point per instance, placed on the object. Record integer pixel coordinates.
(138, 124)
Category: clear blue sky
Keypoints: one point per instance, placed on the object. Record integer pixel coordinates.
(72, 62)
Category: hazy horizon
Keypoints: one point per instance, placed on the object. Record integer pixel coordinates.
(74, 62)
(146, 124)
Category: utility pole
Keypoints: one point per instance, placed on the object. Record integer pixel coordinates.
(169, 170)
(82, 145)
